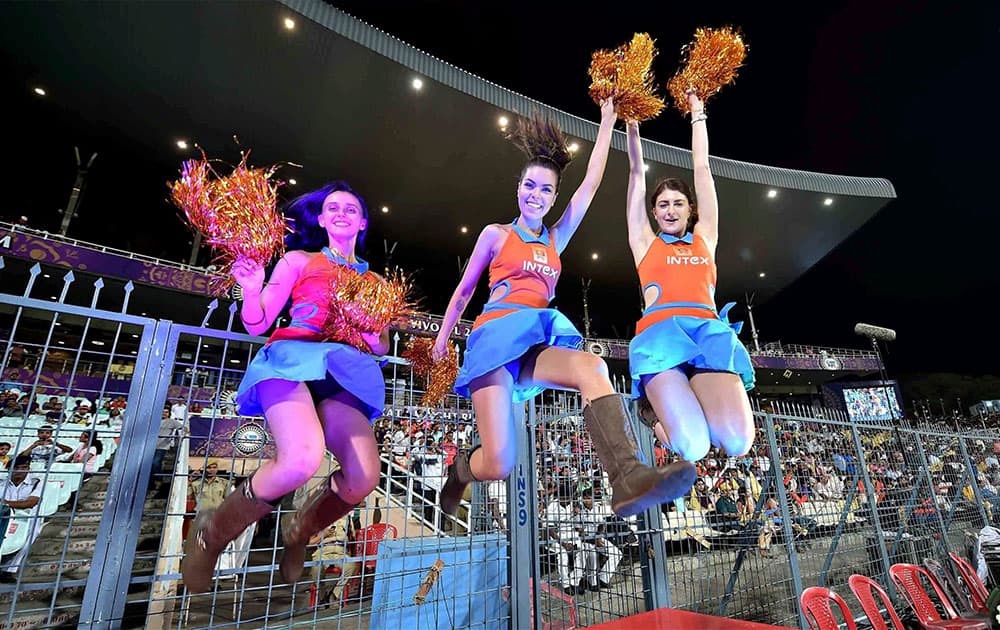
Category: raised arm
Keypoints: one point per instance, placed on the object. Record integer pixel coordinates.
(565, 227)
(704, 185)
(481, 256)
(640, 234)
(262, 304)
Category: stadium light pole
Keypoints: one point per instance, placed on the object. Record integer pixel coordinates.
(195, 249)
(77, 192)
(585, 285)
(753, 326)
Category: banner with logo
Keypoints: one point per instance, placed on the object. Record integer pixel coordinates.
(230, 436)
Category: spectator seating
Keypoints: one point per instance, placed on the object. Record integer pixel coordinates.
(865, 589)
(907, 578)
(818, 611)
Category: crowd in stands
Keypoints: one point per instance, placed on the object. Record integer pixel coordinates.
(72, 439)
(733, 497)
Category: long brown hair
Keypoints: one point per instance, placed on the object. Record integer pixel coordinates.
(681, 186)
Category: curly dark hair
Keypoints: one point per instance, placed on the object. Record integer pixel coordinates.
(543, 142)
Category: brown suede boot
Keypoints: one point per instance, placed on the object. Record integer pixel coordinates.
(321, 509)
(459, 476)
(635, 486)
(214, 529)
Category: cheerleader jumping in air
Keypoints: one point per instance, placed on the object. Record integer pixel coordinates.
(314, 394)
(519, 347)
(688, 367)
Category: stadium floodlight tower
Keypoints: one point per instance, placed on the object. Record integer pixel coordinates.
(876, 334)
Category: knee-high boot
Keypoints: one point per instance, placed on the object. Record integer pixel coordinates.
(214, 529)
(321, 509)
(634, 485)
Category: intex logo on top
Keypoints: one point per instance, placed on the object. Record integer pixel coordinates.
(545, 270)
(691, 260)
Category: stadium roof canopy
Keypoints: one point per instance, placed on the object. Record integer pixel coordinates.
(336, 95)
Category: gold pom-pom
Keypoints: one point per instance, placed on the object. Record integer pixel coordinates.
(439, 376)
(710, 62)
(625, 74)
(364, 303)
(237, 213)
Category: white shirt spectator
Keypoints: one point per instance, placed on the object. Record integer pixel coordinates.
(829, 488)
(179, 411)
(563, 521)
(31, 487)
(400, 444)
(433, 470)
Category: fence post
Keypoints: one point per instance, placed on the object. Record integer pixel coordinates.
(870, 497)
(971, 468)
(107, 584)
(930, 483)
(653, 564)
(522, 520)
(786, 514)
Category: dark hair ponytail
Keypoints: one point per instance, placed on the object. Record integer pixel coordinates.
(543, 142)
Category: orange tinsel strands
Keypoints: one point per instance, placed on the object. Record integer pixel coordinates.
(625, 74)
(439, 376)
(710, 62)
(364, 303)
(237, 213)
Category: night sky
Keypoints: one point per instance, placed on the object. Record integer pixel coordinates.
(891, 89)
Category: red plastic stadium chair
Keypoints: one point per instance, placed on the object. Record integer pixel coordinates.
(865, 589)
(816, 606)
(977, 590)
(367, 541)
(907, 579)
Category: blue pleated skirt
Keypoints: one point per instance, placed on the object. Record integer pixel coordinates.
(685, 341)
(325, 367)
(504, 341)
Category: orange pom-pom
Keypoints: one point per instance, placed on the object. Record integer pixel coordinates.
(710, 62)
(237, 213)
(364, 303)
(625, 74)
(439, 376)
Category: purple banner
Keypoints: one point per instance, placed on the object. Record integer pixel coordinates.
(58, 383)
(230, 436)
(107, 264)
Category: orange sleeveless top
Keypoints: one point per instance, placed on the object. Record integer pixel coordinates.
(311, 297)
(682, 270)
(522, 275)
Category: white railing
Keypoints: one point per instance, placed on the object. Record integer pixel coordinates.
(778, 349)
(415, 502)
(171, 543)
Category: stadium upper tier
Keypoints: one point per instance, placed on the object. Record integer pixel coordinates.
(336, 95)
